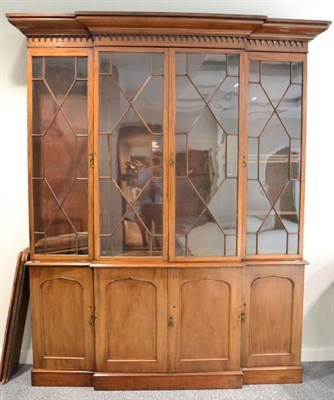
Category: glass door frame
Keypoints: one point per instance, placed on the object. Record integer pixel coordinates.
(131, 259)
(61, 52)
(241, 170)
(276, 57)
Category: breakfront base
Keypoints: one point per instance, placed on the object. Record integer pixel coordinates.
(266, 375)
(48, 377)
(113, 381)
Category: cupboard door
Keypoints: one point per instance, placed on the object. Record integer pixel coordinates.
(271, 332)
(204, 328)
(61, 308)
(131, 311)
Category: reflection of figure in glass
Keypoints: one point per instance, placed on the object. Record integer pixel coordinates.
(151, 199)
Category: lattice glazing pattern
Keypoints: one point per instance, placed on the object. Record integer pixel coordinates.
(59, 132)
(274, 147)
(206, 148)
(131, 153)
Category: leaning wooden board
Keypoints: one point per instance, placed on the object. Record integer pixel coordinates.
(15, 319)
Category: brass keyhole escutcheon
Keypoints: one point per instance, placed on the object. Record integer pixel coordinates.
(171, 322)
(92, 320)
(171, 160)
(91, 160)
(242, 317)
(244, 162)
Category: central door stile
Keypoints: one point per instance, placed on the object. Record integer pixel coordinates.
(171, 153)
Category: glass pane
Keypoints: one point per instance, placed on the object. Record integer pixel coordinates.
(231, 245)
(75, 108)
(233, 65)
(60, 75)
(37, 67)
(180, 245)
(206, 238)
(207, 71)
(274, 147)
(157, 64)
(275, 79)
(295, 159)
(254, 71)
(290, 110)
(232, 156)
(188, 206)
(206, 157)
(252, 165)
(181, 155)
(189, 105)
(60, 194)
(225, 104)
(297, 72)
(181, 64)
(258, 206)
(274, 158)
(149, 104)
(223, 206)
(44, 107)
(82, 67)
(123, 67)
(259, 110)
(131, 155)
(293, 244)
(272, 237)
(112, 103)
(37, 162)
(105, 63)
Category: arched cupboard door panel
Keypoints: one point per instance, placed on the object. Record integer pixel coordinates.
(204, 329)
(62, 307)
(131, 320)
(273, 307)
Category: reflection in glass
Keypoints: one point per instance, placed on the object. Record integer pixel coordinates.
(274, 147)
(252, 165)
(131, 155)
(206, 71)
(224, 105)
(59, 130)
(275, 79)
(290, 110)
(206, 154)
(259, 110)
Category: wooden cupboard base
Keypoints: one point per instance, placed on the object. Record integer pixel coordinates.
(265, 375)
(113, 381)
(45, 377)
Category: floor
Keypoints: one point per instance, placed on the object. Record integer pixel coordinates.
(318, 385)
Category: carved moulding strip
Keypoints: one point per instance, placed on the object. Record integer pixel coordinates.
(293, 46)
(60, 41)
(174, 40)
(168, 40)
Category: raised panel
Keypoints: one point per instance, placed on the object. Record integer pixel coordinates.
(273, 301)
(270, 316)
(62, 305)
(204, 304)
(59, 316)
(197, 297)
(131, 310)
(131, 314)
